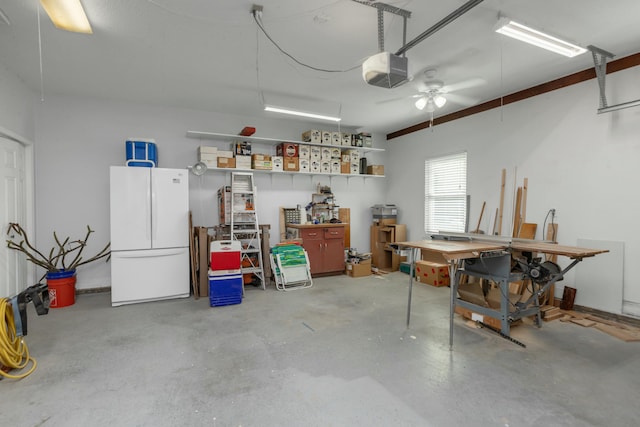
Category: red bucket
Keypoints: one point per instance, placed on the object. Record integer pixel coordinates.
(62, 290)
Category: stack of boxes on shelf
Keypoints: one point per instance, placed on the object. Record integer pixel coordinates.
(214, 158)
(384, 232)
(321, 152)
(225, 275)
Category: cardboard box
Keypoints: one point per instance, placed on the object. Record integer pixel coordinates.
(277, 163)
(226, 162)
(472, 292)
(207, 150)
(468, 314)
(263, 165)
(304, 152)
(325, 166)
(314, 166)
(325, 153)
(336, 153)
(494, 297)
(224, 153)
(375, 170)
(431, 273)
(336, 138)
(355, 168)
(345, 167)
(290, 164)
(315, 153)
(287, 149)
(354, 155)
(304, 165)
(314, 136)
(335, 166)
(361, 269)
(326, 137)
(260, 157)
(346, 139)
(243, 162)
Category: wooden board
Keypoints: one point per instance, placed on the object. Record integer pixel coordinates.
(193, 258)
(203, 261)
(516, 212)
(583, 322)
(622, 334)
(528, 230)
(501, 208)
(344, 215)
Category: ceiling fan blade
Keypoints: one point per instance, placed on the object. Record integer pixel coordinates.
(465, 84)
(461, 99)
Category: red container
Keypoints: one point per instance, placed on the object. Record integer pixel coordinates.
(287, 149)
(225, 255)
(62, 289)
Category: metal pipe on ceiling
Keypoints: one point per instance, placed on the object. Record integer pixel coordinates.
(441, 24)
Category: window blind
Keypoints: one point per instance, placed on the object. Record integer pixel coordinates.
(445, 199)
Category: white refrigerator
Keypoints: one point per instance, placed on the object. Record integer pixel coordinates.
(149, 234)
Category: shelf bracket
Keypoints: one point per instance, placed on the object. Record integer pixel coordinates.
(600, 63)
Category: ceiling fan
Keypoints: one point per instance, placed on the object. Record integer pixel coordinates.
(434, 94)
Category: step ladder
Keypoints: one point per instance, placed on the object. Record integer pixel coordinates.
(244, 227)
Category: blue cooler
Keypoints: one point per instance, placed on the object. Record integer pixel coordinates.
(225, 287)
(142, 153)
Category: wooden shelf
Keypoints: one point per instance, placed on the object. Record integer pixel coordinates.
(273, 141)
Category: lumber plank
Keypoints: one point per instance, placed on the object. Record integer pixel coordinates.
(501, 209)
(528, 230)
(622, 334)
(583, 322)
(516, 212)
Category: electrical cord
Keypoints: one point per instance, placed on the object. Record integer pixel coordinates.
(14, 352)
(259, 23)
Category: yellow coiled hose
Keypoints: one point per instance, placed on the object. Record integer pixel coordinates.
(14, 353)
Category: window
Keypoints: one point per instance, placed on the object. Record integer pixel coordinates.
(445, 193)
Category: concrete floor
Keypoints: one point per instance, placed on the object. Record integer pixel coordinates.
(337, 354)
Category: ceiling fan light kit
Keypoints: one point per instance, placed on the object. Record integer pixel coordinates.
(521, 32)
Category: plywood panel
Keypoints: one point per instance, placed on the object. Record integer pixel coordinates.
(599, 280)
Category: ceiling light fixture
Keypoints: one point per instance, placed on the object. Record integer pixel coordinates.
(537, 38)
(300, 113)
(67, 15)
(431, 102)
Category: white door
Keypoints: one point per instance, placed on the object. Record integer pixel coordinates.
(13, 265)
(130, 208)
(170, 208)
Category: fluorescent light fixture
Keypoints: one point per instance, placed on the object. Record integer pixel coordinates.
(300, 113)
(67, 15)
(537, 38)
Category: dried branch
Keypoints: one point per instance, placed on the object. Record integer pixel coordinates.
(58, 254)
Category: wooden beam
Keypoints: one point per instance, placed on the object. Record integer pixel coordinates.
(501, 208)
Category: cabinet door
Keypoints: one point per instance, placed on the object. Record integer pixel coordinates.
(313, 243)
(334, 255)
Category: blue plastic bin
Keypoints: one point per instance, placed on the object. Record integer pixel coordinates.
(142, 153)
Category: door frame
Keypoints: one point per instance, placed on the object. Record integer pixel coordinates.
(29, 188)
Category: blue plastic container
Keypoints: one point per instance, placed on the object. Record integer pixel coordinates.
(225, 289)
(65, 274)
(142, 153)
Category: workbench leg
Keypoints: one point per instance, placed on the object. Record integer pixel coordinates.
(412, 263)
(504, 306)
(454, 280)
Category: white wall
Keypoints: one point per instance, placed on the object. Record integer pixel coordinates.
(16, 105)
(584, 165)
(79, 138)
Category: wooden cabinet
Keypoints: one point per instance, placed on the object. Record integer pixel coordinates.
(324, 244)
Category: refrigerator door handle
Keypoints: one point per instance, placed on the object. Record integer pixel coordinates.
(154, 215)
(149, 254)
(148, 212)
